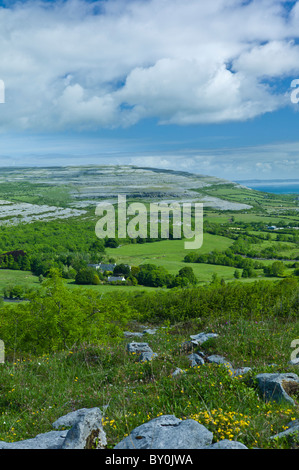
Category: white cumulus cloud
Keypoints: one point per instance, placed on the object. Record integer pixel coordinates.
(77, 65)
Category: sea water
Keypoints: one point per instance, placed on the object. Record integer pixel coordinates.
(273, 186)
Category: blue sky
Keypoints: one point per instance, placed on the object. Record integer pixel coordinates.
(187, 85)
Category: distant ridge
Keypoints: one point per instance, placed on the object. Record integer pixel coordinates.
(84, 186)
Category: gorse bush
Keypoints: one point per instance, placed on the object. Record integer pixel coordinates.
(258, 299)
(57, 318)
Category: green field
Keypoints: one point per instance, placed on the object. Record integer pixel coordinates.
(167, 253)
(170, 254)
(13, 277)
(203, 272)
(107, 288)
(24, 278)
(247, 217)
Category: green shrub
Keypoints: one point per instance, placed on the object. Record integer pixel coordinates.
(258, 299)
(85, 276)
(57, 318)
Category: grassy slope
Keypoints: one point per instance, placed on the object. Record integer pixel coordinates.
(36, 391)
(166, 253)
(13, 277)
(204, 274)
(170, 254)
(28, 280)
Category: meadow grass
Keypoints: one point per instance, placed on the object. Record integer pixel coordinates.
(247, 217)
(110, 288)
(203, 272)
(14, 277)
(35, 391)
(169, 249)
(168, 253)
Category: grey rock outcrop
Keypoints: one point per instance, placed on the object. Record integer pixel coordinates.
(86, 432)
(138, 347)
(227, 444)
(291, 434)
(168, 432)
(196, 340)
(199, 358)
(294, 362)
(48, 440)
(278, 386)
(132, 334)
(149, 331)
(140, 334)
(177, 372)
(195, 359)
(70, 419)
(147, 356)
(241, 371)
(146, 353)
(201, 338)
(220, 360)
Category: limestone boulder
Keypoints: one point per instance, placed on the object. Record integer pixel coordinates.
(168, 432)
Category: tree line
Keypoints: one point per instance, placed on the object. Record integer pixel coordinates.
(145, 275)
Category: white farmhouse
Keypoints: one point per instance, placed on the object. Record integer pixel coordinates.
(115, 278)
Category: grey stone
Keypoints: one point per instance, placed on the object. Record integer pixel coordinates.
(201, 338)
(292, 433)
(87, 431)
(177, 371)
(220, 360)
(138, 347)
(129, 334)
(69, 419)
(48, 440)
(195, 359)
(200, 353)
(146, 353)
(293, 424)
(272, 386)
(168, 432)
(147, 356)
(294, 362)
(227, 444)
(241, 371)
(150, 331)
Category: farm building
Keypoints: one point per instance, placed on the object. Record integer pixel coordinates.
(116, 278)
